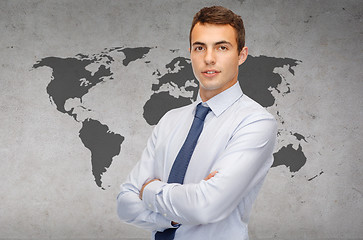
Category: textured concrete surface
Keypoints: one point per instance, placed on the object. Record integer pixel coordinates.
(48, 189)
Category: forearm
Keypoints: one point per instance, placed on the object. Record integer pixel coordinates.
(133, 211)
(202, 203)
(173, 223)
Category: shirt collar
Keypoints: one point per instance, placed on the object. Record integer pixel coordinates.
(219, 103)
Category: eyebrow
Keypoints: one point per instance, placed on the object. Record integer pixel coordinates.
(198, 43)
(223, 42)
(217, 43)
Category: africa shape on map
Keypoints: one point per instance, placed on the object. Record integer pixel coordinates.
(73, 77)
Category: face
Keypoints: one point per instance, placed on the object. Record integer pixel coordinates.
(215, 58)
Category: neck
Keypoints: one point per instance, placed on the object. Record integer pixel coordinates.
(206, 94)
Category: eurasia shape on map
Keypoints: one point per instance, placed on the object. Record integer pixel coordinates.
(73, 77)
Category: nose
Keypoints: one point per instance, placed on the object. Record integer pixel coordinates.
(209, 57)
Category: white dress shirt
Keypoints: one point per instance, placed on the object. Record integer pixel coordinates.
(237, 141)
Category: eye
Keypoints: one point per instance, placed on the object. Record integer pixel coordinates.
(198, 48)
(223, 48)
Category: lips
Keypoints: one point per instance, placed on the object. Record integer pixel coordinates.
(210, 72)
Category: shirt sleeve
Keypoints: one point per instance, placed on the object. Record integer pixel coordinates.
(129, 206)
(241, 167)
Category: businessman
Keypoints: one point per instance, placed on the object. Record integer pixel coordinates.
(204, 163)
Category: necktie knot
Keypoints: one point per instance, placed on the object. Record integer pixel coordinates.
(201, 112)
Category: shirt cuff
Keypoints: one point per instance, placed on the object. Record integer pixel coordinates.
(149, 194)
(163, 223)
(149, 197)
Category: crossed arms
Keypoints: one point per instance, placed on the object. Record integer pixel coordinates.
(241, 167)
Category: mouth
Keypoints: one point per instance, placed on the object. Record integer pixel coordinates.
(210, 73)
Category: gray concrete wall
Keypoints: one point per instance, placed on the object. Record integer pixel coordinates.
(48, 190)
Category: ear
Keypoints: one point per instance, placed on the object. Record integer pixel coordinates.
(242, 55)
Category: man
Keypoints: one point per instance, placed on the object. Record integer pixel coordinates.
(230, 160)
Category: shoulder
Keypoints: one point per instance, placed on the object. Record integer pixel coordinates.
(247, 111)
(248, 108)
(173, 120)
(177, 114)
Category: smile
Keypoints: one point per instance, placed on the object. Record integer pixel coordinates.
(210, 73)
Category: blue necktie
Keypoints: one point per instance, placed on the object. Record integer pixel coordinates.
(181, 162)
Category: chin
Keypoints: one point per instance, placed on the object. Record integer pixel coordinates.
(210, 86)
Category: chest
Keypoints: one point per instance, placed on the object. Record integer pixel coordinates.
(212, 142)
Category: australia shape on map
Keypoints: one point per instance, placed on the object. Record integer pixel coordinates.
(73, 78)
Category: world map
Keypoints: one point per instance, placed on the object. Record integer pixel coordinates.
(74, 77)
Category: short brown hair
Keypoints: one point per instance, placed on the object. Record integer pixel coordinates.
(220, 15)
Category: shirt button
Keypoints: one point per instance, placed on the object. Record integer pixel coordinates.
(164, 214)
(150, 206)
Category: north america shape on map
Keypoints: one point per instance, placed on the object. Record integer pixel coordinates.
(73, 77)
